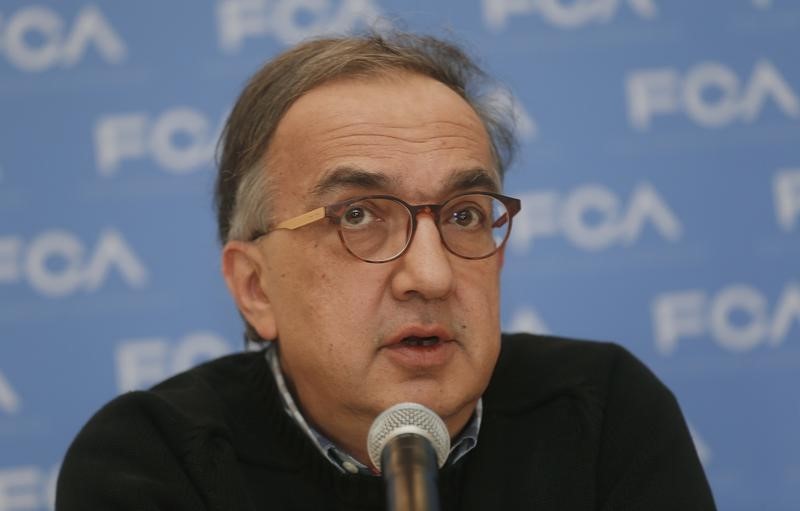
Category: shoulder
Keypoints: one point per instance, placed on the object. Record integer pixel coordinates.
(548, 361)
(222, 379)
(543, 350)
(201, 397)
(595, 416)
(163, 444)
(534, 369)
(178, 415)
(201, 391)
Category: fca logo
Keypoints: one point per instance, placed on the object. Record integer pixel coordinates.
(180, 140)
(565, 13)
(56, 263)
(710, 94)
(593, 218)
(239, 19)
(738, 317)
(37, 39)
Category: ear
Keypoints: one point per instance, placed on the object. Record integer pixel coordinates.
(501, 255)
(243, 267)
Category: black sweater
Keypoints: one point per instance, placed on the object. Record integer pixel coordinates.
(567, 425)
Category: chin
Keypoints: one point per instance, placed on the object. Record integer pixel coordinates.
(437, 399)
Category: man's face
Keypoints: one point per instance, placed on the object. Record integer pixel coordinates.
(341, 322)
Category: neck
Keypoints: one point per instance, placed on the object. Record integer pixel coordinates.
(345, 429)
(351, 439)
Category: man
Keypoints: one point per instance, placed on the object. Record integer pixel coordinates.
(363, 229)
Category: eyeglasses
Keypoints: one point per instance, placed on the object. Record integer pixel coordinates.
(379, 228)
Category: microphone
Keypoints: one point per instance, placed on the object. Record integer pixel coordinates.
(408, 443)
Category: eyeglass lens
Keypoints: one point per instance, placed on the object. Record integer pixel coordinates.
(378, 229)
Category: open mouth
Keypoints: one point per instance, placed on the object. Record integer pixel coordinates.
(414, 341)
(423, 349)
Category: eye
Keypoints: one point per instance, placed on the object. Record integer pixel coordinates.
(358, 216)
(467, 216)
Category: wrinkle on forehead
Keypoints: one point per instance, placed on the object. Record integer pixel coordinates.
(365, 126)
(412, 128)
(419, 143)
(335, 106)
(378, 143)
(385, 141)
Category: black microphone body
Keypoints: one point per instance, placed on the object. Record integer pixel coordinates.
(410, 472)
(408, 443)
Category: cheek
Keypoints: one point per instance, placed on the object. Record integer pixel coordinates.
(328, 331)
(479, 288)
(478, 318)
(325, 293)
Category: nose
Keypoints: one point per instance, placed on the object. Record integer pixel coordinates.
(425, 269)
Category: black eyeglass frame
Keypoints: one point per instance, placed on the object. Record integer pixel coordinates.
(335, 211)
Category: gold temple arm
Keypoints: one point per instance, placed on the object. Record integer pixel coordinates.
(304, 219)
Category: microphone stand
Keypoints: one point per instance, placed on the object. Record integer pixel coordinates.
(410, 471)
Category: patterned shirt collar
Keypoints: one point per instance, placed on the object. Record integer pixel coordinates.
(465, 442)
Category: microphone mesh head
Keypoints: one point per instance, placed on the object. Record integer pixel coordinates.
(408, 418)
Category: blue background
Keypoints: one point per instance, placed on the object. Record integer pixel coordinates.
(109, 270)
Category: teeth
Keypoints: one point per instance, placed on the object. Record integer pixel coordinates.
(420, 341)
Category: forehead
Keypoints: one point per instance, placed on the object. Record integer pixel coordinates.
(411, 132)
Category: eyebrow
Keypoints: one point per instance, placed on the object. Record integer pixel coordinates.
(471, 178)
(350, 177)
(354, 177)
